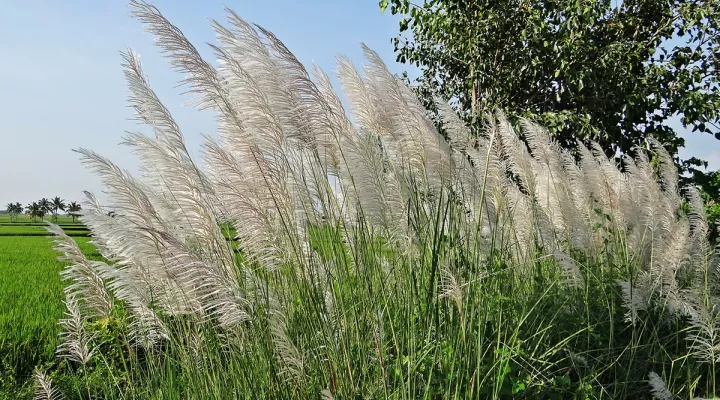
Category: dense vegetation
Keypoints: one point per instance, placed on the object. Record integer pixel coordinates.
(375, 258)
(613, 72)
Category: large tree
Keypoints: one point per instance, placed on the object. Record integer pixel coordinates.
(584, 68)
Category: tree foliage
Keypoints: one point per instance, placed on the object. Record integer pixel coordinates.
(57, 204)
(74, 209)
(588, 68)
(13, 209)
(35, 210)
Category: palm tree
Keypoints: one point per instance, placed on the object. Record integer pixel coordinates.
(45, 206)
(13, 209)
(34, 210)
(74, 210)
(57, 205)
(18, 209)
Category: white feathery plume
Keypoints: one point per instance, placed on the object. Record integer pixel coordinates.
(310, 111)
(191, 210)
(399, 130)
(630, 205)
(705, 334)
(542, 147)
(378, 187)
(348, 139)
(338, 121)
(657, 388)
(578, 184)
(258, 220)
(653, 222)
(202, 282)
(553, 192)
(670, 257)
(169, 163)
(127, 236)
(459, 134)
(44, 389)
(451, 288)
(368, 115)
(204, 81)
(519, 208)
(633, 301)
(289, 356)
(146, 328)
(127, 247)
(266, 159)
(696, 212)
(128, 198)
(377, 192)
(200, 76)
(594, 178)
(515, 154)
(418, 145)
(308, 123)
(257, 145)
(149, 110)
(133, 279)
(572, 275)
(261, 134)
(86, 282)
(700, 249)
(668, 170)
(74, 340)
(242, 48)
(437, 151)
(488, 177)
(606, 182)
(281, 89)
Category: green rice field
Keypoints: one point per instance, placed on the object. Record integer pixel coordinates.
(31, 300)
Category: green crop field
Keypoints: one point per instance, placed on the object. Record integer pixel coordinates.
(9, 230)
(31, 303)
(25, 219)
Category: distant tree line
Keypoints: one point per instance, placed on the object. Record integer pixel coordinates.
(42, 208)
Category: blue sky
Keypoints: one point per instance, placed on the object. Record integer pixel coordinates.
(61, 84)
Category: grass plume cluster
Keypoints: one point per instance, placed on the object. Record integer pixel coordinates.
(378, 257)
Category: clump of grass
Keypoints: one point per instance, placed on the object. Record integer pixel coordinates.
(378, 258)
